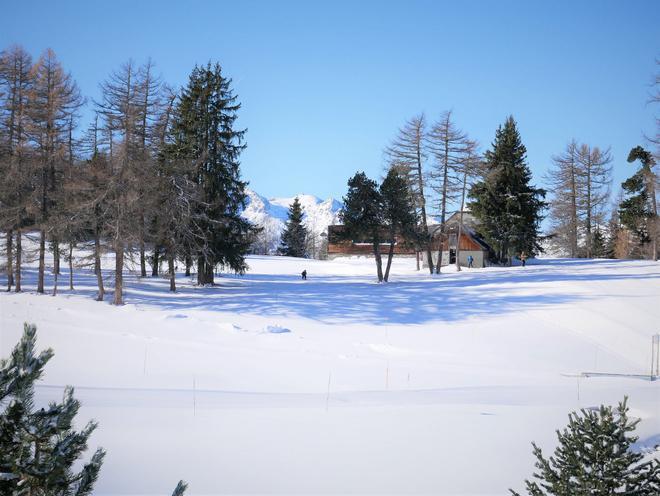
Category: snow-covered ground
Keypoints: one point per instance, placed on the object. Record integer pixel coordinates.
(423, 385)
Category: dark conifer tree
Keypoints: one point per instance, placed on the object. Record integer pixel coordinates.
(595, 457)
(38, 447)
(598, 244)
(399, 213)
(639, 210)
(362, 215)
(204, 133)
(39, 450)
(506, 204)
(294, 238)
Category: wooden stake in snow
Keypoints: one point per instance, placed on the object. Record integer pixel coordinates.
(655, 356)
(194, 397)
(144, 365)
(327, 396)
(387, 376)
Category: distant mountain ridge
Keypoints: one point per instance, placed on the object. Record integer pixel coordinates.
(271, 214)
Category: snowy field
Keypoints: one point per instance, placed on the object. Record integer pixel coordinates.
(269, 384)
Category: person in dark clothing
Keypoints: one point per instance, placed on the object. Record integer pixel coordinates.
(523, 258)
(304, 275)
(470, 261)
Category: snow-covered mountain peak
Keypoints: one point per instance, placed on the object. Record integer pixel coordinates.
(271, 214)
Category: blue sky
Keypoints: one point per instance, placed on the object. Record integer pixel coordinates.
(325, 85)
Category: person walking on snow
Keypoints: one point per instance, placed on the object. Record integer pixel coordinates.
(304, 275)
(470, 261)
(523, 258)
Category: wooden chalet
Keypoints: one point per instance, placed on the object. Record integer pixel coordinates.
(470, 243)
(339, 246)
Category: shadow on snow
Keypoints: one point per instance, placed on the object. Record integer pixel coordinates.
(411, 299)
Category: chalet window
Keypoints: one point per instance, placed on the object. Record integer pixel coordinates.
(452, 239)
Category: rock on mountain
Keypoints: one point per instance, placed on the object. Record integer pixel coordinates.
(271, 214)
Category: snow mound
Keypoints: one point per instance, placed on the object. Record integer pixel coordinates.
(276, 329)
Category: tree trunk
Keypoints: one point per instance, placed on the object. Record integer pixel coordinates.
(379, 261)
(574, 214)
(55, 278)
(10, 259)
(155, 261)
(204, 272)
(119, 273)
(42, 261)
(170, 267)
(425, 227)
(442, 238)
(19, 256)
(71, 265)
(97, 267)
(589, 207)
(143, 262)
(390, 256)
(56, 256)
(460, 224)
(655, 226)
(188, 265)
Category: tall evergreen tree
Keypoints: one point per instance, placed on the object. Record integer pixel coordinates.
(639, 210)
(595, 457)
(399, 215)
(205, 134)
(294, 237)
(598, 244)
(362, 215)
(506, 204)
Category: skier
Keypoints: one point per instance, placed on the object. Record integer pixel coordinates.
(304, 275)
(523, 258)
(470, 260)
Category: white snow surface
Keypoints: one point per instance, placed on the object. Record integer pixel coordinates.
(427, 384)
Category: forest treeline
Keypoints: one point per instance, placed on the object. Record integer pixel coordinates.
(155, 178)
(446, 172)
(157, 173)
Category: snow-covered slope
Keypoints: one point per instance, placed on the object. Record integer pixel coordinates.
(425, 385)
(271, 214)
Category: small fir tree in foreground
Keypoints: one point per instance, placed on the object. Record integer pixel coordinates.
(38, 447)
(594, 458)
(294, 237)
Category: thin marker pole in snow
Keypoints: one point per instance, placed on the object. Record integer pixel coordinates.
(144, 366)
(387, 376)
(327, 396)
